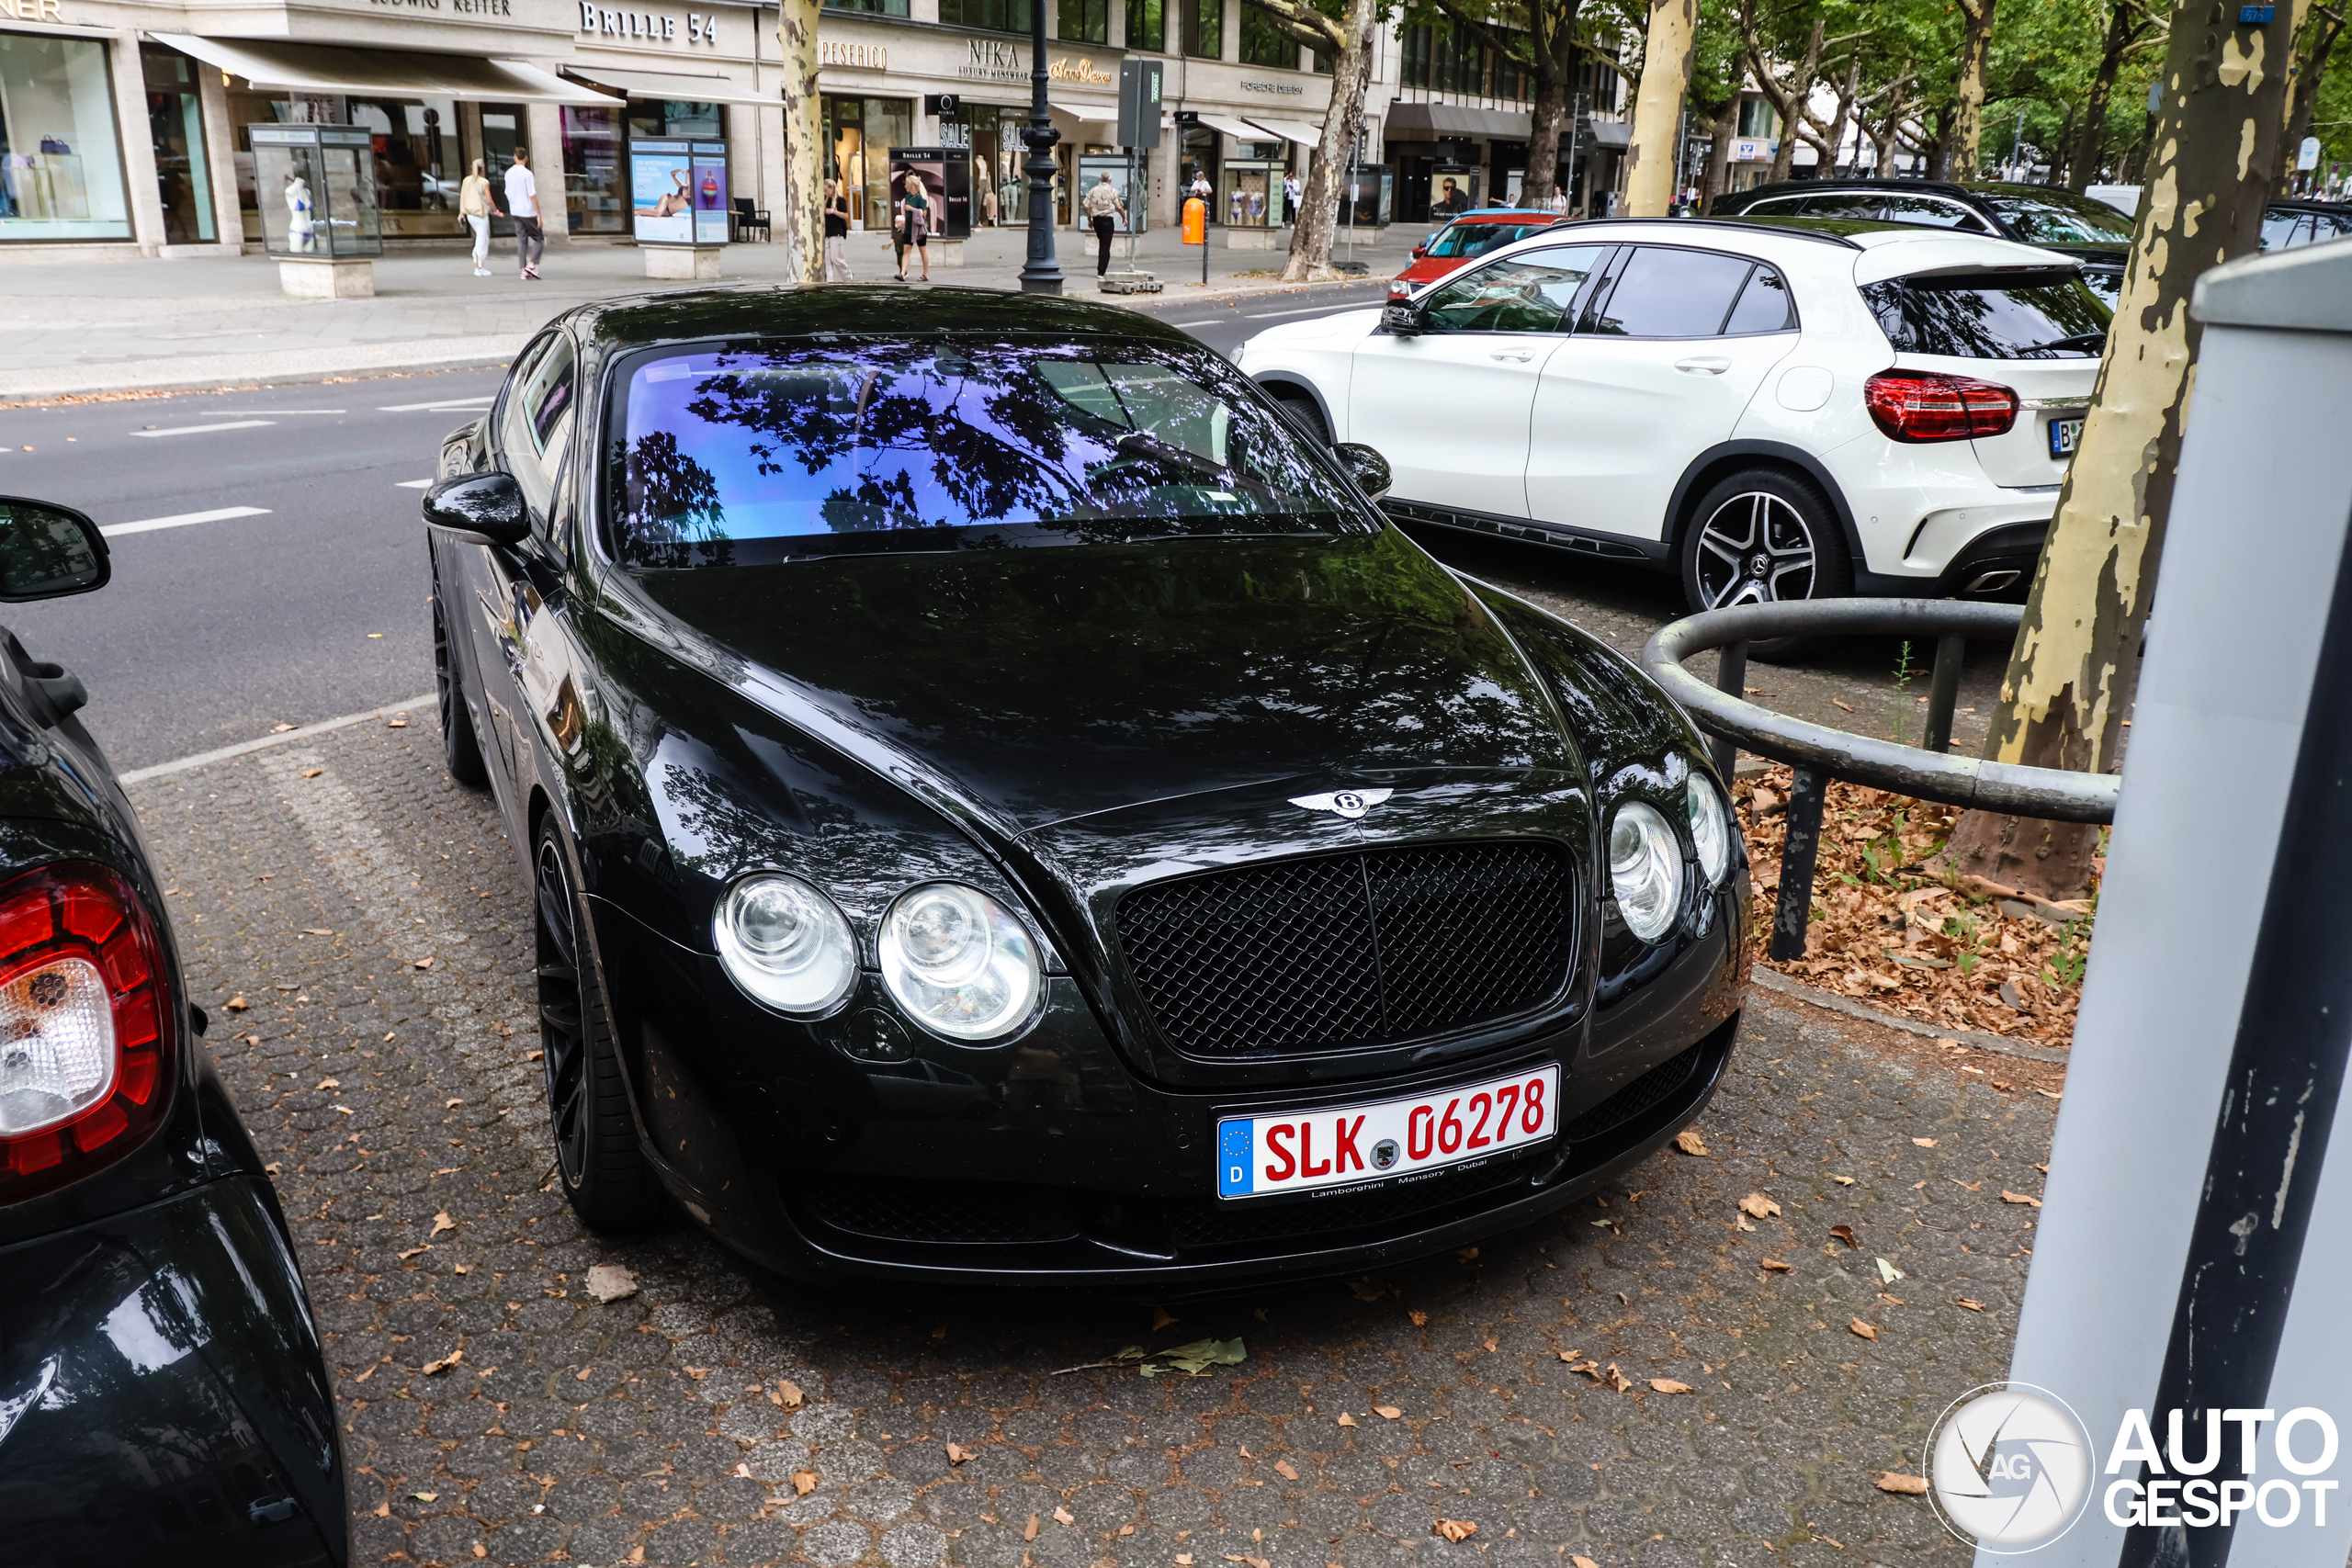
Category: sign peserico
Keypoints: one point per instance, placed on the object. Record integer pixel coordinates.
(856, 56)
(649, 26)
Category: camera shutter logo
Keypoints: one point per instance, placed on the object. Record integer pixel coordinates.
(2009, 1467)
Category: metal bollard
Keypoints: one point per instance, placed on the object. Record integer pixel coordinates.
(1731, 679)
(1794, 914)
(1943, 691)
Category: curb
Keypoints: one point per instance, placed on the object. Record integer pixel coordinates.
(197, 380)
(1975, 1038)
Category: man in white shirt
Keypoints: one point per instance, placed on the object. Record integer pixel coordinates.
(1291, 191)
(523, 202)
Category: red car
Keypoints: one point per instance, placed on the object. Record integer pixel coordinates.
(1468, 237)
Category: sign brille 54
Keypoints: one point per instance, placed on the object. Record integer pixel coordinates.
(631, 24)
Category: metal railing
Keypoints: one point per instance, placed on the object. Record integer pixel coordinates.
(1817, 753)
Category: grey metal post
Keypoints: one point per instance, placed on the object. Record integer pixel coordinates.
(2192, 1159)
(1040, 273)
(1943, 691)
(1792, 915)
(1731, 679)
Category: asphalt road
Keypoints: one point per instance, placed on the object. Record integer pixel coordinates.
(301, 595)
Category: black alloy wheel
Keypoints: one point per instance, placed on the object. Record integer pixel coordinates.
(460, 750)
(1763, 537)
(605, 1174)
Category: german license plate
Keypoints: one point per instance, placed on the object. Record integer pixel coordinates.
(1300, 1151)
(2065, 435)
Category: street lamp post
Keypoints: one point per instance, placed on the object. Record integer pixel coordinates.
(1039, 274)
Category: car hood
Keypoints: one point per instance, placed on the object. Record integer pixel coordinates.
(1042, 685)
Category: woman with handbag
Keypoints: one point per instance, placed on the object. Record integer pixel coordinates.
(476, 207)
(914, 225)
(836, 233)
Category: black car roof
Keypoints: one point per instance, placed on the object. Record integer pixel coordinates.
(856, 310)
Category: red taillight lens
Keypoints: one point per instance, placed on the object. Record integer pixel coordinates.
(84, 1041)
(1916, 405)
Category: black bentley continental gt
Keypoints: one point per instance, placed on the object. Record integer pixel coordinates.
(1006, 807)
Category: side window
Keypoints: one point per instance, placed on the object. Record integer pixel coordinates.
(2279, 229)
(1854, 204)
(1773, 207)
(1669, 293)
(1941, 214)
(1764, 305)
(538, 420)
(1529, 293)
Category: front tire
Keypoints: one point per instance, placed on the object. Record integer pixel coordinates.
(606, 1177)
(460, 748)
(1764, 536)
(1303, 413)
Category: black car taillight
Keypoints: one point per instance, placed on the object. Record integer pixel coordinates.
(1918, 405)
(85, 1044)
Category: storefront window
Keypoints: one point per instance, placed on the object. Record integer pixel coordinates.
(175, 120)
(1252, 189)
(1197, 163)
(61, 165)
(1084, 21)
(1011, 183)
(497, 130)
(671, 117)
(1148, 24)
(1263, 43)
(1204, 33)
(875, 7)
(994, 15)
(417, 162)
(319, 190)
(859, 134)
(595, 191)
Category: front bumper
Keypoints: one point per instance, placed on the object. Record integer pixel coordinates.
(162, 1396)
(1050, 1165)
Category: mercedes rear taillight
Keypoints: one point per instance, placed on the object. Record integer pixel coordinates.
(1920, 405)
(85, 1047)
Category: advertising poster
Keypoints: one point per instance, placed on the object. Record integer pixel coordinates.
(709, 186)
(945, 175)
(661, 195)
(1126, 176)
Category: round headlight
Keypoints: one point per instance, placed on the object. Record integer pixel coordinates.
(1645, 870)
(1710, 828)
(958, 962)
(785, 944)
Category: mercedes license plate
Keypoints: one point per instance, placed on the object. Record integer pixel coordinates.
(2065, 435)
(1299, 1151)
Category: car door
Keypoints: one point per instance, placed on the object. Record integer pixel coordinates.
(1664, 359)
(1448, 406)
(508, 585)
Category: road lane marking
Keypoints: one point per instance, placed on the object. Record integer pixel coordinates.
(182, 520)
(301, 732)
(232, 413)
(414, 484)
(1204, 321)
(192, 429)
(1302, 311)
(439, 404)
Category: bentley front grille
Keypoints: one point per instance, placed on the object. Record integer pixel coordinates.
(1370, 947)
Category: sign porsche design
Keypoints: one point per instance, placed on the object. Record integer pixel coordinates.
(1348, 803)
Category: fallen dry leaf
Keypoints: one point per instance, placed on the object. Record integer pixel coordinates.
(1690, 1141)
(396, 722)
(1456, 1529)
(1029, 1531)
(1667, 1385)
(442, 1222)
(1282, 1468)
(1063, 1515)
(1909, 1485)
(1365, 1290)
(1183, 1560)
(1583, 1562)
(1465, 1255)
(237, 1003)
(2051, 1093)
(1848, 707)
(420, 1496)
(958, 1453)
(1760, 1206)
(1863, 1329)
(1346, 1419)
(1492, 1344)
(444, 1364)
(1846, 1235)
(805, 1482)
(2009, 1197)
(1843, 1180)
(329, 1083)
(1924, 1143)
(1388, 1411)
(424, 963)
(1776, 1266)
(610, 1282)
(1619, 1381)
(787, 1393)
(452, 1105)
(1161, 1318)
(312, 772)
(1421, 1319)
(1970, 1303)
(412, 1251)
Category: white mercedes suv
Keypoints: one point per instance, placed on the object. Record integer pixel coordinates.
(1777, 410)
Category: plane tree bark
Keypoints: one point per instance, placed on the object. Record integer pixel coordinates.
(803, 209)
(1347, 40)
(1650, 159)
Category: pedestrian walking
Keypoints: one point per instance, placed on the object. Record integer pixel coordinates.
(477, 207)
(989, 206)
(523, 202)
(1102, 209)
(1294, 191)
(1556, 202)
(912, 225)
(836, 233)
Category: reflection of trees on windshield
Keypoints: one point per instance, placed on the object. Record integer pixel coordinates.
(1980, 319)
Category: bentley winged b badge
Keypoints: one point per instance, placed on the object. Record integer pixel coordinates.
(1348, 803)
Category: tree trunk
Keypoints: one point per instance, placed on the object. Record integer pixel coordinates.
(1327, 177)
(1788, 98)
(2325, 24)
(1836, 135)
(2123, 26)
(2077, 655)
(1727, 131)
(1552, 62)
(1968, 120)
(1650, 160)
(801, 214)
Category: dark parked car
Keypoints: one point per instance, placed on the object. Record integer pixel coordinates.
(1006, 806)
(163, 1398)
(2286, 224)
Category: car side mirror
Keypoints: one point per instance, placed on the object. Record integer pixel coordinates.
(1420, 250)
(1365, 466)
(48, 552)
(486, 508)
(1401, 318)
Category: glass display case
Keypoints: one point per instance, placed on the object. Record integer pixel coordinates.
(1251, 193)
(316, 184)
(1370, 201)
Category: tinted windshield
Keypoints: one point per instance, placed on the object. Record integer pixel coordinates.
(2059, 219)
(2018, 315)
(1477, 238)
(746, 456)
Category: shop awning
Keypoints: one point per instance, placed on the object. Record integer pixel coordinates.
(1296, 130)
(1610, 133)
(1237, 128)
(670, 84)
(1415, 123)
(325, 68)
(1092, 114)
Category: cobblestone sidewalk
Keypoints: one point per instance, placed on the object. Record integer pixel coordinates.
(356, 927)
